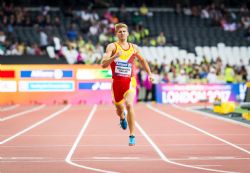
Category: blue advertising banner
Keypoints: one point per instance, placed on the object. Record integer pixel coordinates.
(54, 74)
(94, 86)
(46, 86)
(193, 93)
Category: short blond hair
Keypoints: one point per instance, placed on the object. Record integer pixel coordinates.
(120, 25)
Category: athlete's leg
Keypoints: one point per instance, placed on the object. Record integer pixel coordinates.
(129, 101)
(120, 110)
(118, 104)
(120, 113)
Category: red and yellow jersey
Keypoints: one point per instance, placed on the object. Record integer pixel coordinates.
(123, 67)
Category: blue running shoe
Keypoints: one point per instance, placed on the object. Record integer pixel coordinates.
(131, 140)
(123, 122)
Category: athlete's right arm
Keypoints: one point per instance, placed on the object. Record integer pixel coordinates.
(107, 57)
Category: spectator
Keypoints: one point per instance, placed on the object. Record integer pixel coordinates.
(43, 40)
(2, 37)
(187, 11)
(245, 21)
(94, 17)
(148, 87)
(196, 11)
(248, 71)
(57, 21)
(205, 13)
(37, 49)
(227, 26)
(136, 19)
(182, 78)
(103, 38)
(165, 78)
(247, 34)
(143, 10)
(97, 53)
(157, 80)
(153, 42)
(212, 77)
(123, 15)
(114, 18)
(45, 10)
(72, 33)
(20, 47)
(244, 10)
(229, 74)
(57, 46)
(178, 9)
(93, 30)
(30, 50)
(2, 49)
(243, 73)
(80, 57)
(161, 39)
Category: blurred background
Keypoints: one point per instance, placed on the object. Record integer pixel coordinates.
(50, 51)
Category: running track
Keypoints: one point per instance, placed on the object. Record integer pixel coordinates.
(77, 139)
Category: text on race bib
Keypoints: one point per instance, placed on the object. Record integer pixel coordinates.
(123, 69)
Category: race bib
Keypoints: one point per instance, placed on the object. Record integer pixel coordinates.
(123, 69)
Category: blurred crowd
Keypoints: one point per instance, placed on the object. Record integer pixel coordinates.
(218, 14)
(85, 33)
(80, 29)
(206, 72)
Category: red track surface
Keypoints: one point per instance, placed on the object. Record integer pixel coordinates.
(89, 139)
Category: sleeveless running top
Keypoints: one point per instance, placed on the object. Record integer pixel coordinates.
(123, 67)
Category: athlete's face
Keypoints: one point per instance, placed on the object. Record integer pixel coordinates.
(122, 33)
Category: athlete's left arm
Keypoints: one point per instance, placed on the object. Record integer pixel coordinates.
(143, 62)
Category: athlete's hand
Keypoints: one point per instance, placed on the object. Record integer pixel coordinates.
(151, 77)
(118, 53)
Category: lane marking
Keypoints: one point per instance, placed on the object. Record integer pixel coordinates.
(196, 128)
(212, 116)
(165, 145)
(87, 159)
(207, 165)
(165, 159)
(22, 158)
(213, 158)
(36, 124)
(119, 135)
(73, 148)
(9, 108)
(116, 158)
(21, 113)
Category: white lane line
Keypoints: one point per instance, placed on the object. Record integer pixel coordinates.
(198, 129)
(63, 161)
(72, 150)
(21, 113)
(110, 146)
(21, 158)
(153, 134)
(213, 158)
(207, 165)
(212, 116)
(116, 158)
(36, 124)
(45, 159)
(209, 159)
(9, 108)
(165, 159)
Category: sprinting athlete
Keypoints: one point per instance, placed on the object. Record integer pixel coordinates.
(120, 56)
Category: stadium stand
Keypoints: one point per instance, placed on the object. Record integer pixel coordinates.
(199, 34)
